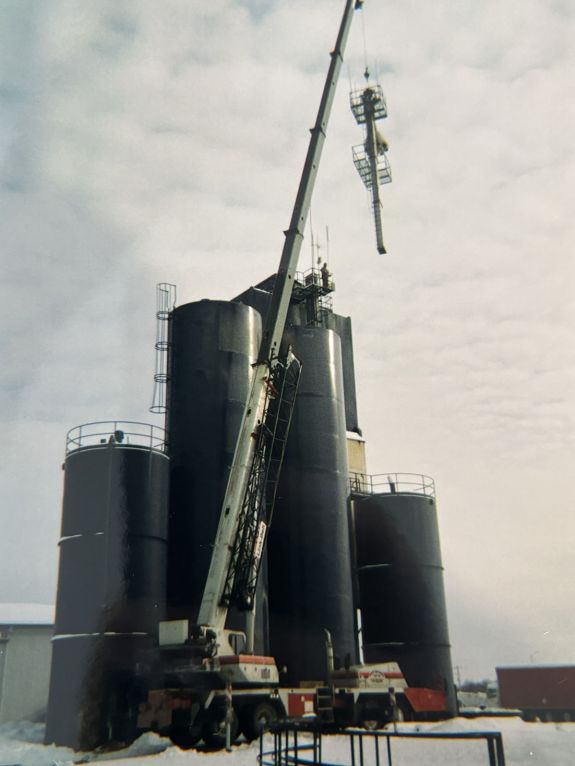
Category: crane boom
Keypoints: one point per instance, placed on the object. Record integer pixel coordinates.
(214, 607)
(372, 154)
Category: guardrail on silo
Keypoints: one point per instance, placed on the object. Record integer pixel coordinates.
(391, 483)
(124, 432)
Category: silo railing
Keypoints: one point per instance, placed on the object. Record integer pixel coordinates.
(391, 483)
(123, 432)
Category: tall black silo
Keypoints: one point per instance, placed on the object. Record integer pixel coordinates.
(213, 347)
(310, 576)
(400, 580)
(259, 297)
(112, 577)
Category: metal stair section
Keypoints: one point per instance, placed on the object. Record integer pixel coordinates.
(258, 504)
(324, 704)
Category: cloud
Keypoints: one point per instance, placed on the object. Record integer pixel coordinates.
(145, 142)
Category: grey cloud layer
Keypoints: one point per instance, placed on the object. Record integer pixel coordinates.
(147, 142)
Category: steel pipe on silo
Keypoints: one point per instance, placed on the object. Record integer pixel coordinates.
(213, 346)
(401, 592)
(112, 578)
(310, 576)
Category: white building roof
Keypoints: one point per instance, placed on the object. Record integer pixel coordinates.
(26, 614)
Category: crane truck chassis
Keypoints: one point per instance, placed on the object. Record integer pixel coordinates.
(188, 705)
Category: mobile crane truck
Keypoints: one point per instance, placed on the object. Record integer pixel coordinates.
(202, 678)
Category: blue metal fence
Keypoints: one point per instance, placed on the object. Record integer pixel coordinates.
(366, 748)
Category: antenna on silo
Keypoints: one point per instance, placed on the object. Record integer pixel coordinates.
(370, 158)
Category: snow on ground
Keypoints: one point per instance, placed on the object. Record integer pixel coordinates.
(526, 744)
(22, 743)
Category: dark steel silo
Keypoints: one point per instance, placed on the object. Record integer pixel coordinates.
(310, 575)
(112, 576)
(259, 297)
(213, 345)
(400, 582)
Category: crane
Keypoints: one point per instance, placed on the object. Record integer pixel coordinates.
(250, 492)
(185, 688)
(248, 500)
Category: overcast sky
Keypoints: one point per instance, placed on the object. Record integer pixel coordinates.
(144, 142)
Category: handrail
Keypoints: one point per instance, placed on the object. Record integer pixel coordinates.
(127, 433)
(391, 483)
(286, 752)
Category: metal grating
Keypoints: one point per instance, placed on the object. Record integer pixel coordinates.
(357, 103)
(361, 162)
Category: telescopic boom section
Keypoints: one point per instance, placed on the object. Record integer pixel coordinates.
(214, 607)
(372, 153)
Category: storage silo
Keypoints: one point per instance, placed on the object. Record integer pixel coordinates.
(310, 575)
(112, 576)
(259, 297)
(400, 580)
(213, 345)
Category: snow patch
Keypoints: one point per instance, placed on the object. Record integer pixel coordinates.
(535, 744)
(23, 731)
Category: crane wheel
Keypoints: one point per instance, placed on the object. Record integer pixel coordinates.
(183, 737)
(404, 711)
(371, 724)
(257, 718)
(374, 716)
(214, 731)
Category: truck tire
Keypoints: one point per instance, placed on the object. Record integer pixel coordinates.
(257, 718)
(374, 716)
(405, 711)
(214, 731)
(182, 737)
(371, 723)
